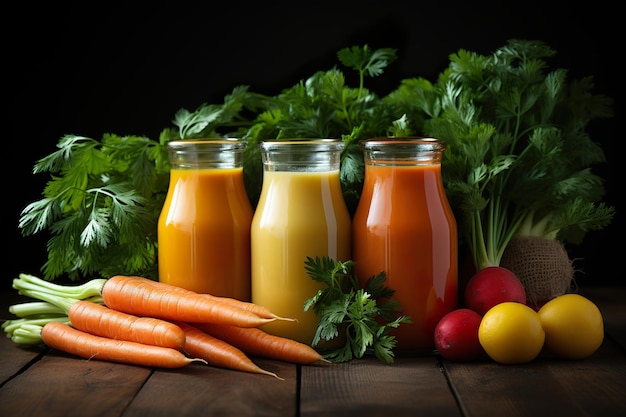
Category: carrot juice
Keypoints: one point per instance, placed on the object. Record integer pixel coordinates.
(204, 229)
(299, 214)
(405, 227)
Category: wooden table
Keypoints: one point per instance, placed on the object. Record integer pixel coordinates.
(44, 383)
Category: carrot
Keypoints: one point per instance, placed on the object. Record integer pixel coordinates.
(104, 321)
(95, 318)
(145, 297)
(63, 337)
(257, 309)
(217, 352)
(253, 341)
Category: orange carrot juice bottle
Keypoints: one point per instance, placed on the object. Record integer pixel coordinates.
(204, 226)
(301, 212)
(404, 226)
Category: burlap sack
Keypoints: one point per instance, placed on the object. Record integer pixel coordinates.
(542, 265)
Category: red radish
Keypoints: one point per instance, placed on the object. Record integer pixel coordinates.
(456, 335)
(493, 285)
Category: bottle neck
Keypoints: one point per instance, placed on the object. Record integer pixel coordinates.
(318, 155)
(402, 151)
(205, 154)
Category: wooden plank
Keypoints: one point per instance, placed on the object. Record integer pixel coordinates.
(209, 391)
(367, 387)
(13, 359)
(544, 387)
(612, 304)
(596, 385)
(66, 386)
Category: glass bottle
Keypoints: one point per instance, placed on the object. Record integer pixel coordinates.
(204, 226)
(404, 226)
(301, 212)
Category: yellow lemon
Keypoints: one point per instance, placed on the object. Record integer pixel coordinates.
(574, 326)
(511, 333)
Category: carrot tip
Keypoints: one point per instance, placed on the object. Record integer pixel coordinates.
(285, 319)
(274, 375)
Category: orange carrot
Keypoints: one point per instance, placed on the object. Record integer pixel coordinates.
(257, 309)
(217, 352)
(95, 318)
(104, 321)
(145, 297)
(63, 337)
(253, 341)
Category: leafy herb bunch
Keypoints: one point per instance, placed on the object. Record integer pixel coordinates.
(519, 158)
(102, 203)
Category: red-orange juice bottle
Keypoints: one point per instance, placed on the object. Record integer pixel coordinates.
(301, 213)
(404, 226)
(204, 226)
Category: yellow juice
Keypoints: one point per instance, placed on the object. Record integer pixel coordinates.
(299, 214)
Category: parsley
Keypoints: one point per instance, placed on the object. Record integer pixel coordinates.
(519, 158)
(359, 314)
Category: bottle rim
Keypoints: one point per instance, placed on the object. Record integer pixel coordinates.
(217, 144)
(304, 155)
(409, 144)
(301, 145)
(404, 151)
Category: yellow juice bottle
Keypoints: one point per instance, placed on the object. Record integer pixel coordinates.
(301, 212)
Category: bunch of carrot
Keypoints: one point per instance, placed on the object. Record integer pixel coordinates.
(135, 320)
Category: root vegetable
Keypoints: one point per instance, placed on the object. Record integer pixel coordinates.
(493, 285)
(456, 336)
(65, 338)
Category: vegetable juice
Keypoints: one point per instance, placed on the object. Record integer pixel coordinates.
(405, 227)
(299, 214)
(204, 232)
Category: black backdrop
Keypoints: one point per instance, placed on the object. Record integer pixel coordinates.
(88, 68)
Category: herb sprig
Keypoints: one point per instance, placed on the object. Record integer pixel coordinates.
(364, 316)
(100, 206)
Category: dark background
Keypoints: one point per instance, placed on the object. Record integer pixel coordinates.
(90, 68)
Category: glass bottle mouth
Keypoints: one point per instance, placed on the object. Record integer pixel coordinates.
(403, 151)
(304, 155)
(206, 153)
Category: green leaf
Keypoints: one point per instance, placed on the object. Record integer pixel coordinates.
(344, 307)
